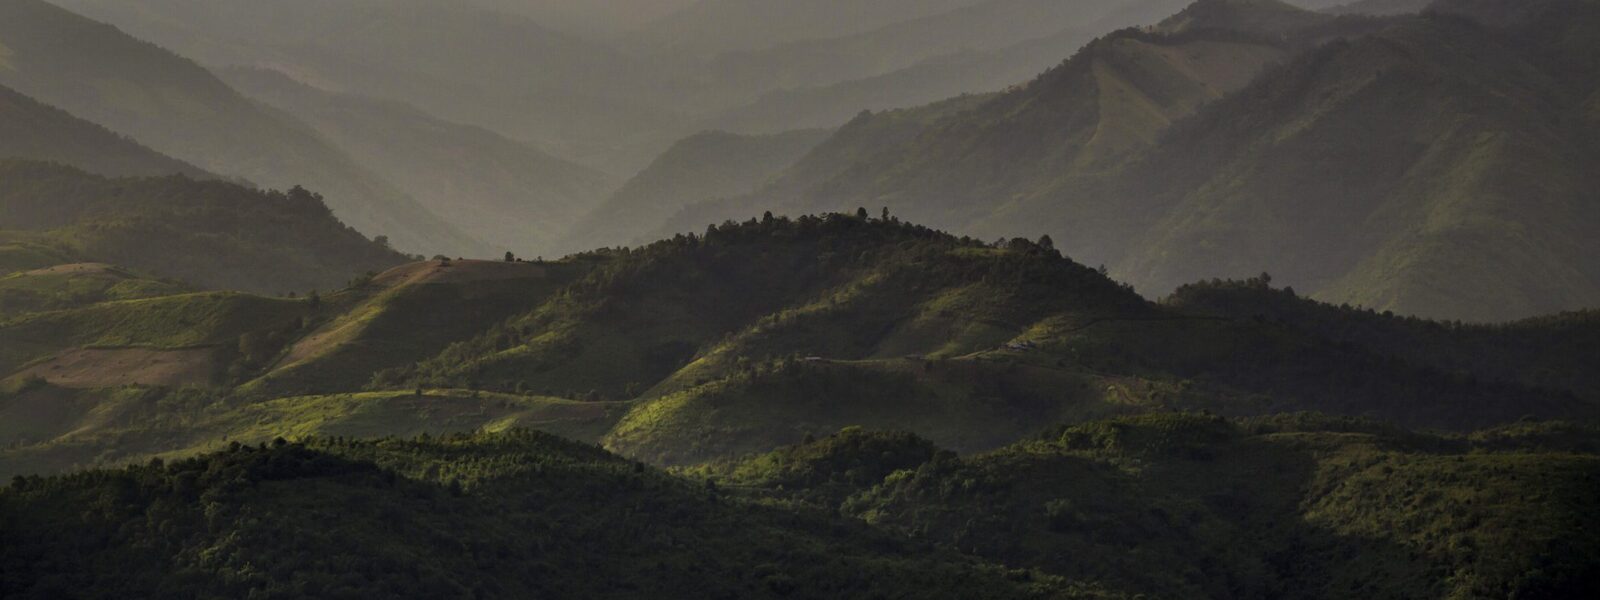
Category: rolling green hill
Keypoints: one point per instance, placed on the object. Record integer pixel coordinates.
(407, 314)
(504, 192)
(98, 73)
(32, 130)
(769, 330)
(209, 233)
(71, 285)
(761, 333)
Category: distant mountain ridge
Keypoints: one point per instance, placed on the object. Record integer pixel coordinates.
(33, 130)
(506, 193)
(702, 167)
(98, 73)
(1123, 155)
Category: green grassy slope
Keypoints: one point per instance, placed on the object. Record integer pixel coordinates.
(98, 73)
(1196, 506)
(32, 130)
(508, 515)
(51, 429)
(198, 319)
(77, 284)
(699, 168)
(209, 233)
(764, 332)
(759, 334)
(407, 314)
(504, 192)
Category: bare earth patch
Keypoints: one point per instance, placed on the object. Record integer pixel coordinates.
(78, 269)
(456, 271)
(90, 368)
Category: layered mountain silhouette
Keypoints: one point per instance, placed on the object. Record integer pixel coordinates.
(1181, 152)
(702, 167)
(504, 192)
(98, 73)
(976, 299)
(31, 129)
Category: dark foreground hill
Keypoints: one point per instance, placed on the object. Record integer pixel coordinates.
(210, 233)
(1166, 505)
(515, 515)
(1193, 506)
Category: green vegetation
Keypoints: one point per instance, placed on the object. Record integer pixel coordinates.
(74, 285)
(209, 233)
(1171, 505)
(758, 334)
(1185, 505)
(408, 314)
(507, 515)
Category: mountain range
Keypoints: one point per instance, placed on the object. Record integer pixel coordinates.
(174, 106)
(751, 358)
(1132, 154)
(978, 299)
(501, 191)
